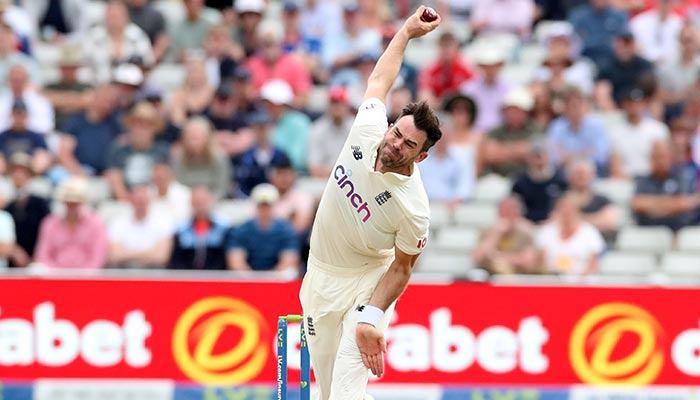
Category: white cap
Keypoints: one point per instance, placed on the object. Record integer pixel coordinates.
(265, 193)
(254, 6)
(489, 55)
(519, 97)
(128, 74)
(73, 190)
(277, 91)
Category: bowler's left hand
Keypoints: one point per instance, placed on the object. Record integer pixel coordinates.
(372, 345)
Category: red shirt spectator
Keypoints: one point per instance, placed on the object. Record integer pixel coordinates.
(446, 74)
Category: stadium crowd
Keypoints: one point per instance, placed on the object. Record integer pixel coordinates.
(193, 134)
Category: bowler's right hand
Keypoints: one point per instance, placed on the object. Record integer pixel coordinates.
(416, 28)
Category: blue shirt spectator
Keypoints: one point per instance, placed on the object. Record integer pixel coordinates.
(447, 176)
(597, 24)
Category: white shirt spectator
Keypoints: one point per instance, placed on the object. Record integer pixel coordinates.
(40, 112)
(449, 177)
(176, 202)
(656, 40)
(7, 233)
(579, 75)
(633, 144)
(98, 47)
(569, 256)
(142, 235)
(20, 21)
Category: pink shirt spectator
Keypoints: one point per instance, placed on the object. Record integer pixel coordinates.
(289, 68)
(514, 16)
(83, 246)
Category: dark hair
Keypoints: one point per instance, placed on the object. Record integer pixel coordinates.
(425, 120)
(452, 101)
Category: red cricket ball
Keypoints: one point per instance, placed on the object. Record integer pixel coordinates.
(429, 15)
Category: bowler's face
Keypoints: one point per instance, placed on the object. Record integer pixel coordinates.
(402, 144)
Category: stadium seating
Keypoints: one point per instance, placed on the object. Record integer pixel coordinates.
(688, 239)
(656, 239)
(617, 190)
(234, 212)
(457, 265)
(476, 215)
(627, 263)
(681, 264)
(492, 189)
(456, 239)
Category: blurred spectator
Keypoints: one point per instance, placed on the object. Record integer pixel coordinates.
(10, 55)
(597, 24)
(291, 133)
(168, 194)
(249, 16)
(396, 101)
(463, 140)
(569, 245)
(505, 149)
(293, 205)
(131, 162)
(577, 133)
(221, 54)
(221, 111)
(85, 147)
(19, 139)
(252, 167)
(596, 209)
(508, 247)
(328, 133)
(321, 19)
(151, 21)
(564, 67)
(556, 10)
(265, 242)
(445, 75)
(489, 89)
(271, 63)
(188, 35)
(656, 32)
(27, 209)
(668, 195)
(682, 131)
(76, 238)
(40, 114)
(198, 162)
(68, 94)
(141, 237)
(625, 71)
(544, 109)
(691, 107)
(127, 79)
(201, 242)
(56, 18)
(541, 185)
(449, 178)
(342, 50)
(169, 133)
(678, 74)
(115, 42)
(512, 16)
(195, 94)
(633, 139)
(20, 21)
(7, 239)
(355, 80)
(373, 14)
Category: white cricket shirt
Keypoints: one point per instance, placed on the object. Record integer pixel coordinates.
(363, 214)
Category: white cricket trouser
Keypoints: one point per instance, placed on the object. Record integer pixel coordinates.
(329, 297)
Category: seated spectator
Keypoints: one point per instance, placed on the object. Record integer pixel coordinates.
(222, 55)
(505, 149)
(142, 237)
(512, 16)
(293, 205)
(291, 133)
(40, 113)
(322, 19)
(252, 167)
(132, 162)
(85, 147)
(656, 31)
(249, 13)
(626, 70)
(10, 55)
(7, 239)
(264, 243)
(56, 19)
(682, 131)
(152, 23)
(448, 177)
(508, 247)
(168, 194)
(116, 41)
(541, 185)
(568, 244)
(222, 109)
(632, 140)
(598, 24)
(489, 89)
(201, 242)
(271, 63)
(195, 94)
(19, 139)
(68, 94)
(169, 133)
(577, 133)
(76, 238)
(668, 195)
(188, 34)
(463, 139)
(445, 75)
(561, 69)
(198, 162)
(544, 109)
(596, 209)
(21, 22)
(328, 133)
(127, 79)
(677, 75)
(27, 210)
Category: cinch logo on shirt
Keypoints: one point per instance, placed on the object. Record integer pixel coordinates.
(343, 180)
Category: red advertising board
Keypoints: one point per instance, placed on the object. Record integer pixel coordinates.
(223, 332)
